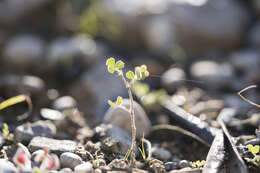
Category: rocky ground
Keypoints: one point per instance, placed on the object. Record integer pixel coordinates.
(189, 118)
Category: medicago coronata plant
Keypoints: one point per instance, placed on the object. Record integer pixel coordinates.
(140, 73)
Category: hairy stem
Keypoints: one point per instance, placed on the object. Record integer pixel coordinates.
(132, 116)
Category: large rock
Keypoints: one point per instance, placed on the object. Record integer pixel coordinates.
(121, 118)
(95, 87)
(24, 52)
(206, 24)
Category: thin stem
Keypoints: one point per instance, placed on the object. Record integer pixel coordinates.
(132, 116)
(245, 99)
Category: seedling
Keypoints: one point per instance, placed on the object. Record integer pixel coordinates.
(142, 151)
(6, 133)
(128, 78)
(254, 150)
(197, 164)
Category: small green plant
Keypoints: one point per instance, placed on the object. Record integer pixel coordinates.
(254, 150)
(142, 151)
(6, 133)
(128, 78)
(197, 164)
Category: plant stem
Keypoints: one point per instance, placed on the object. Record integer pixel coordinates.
(132, 116)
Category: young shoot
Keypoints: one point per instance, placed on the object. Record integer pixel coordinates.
(140, 73)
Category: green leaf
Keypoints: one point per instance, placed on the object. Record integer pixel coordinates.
(111, 69)
(255, 149)
(130, 75)
(146, 73)
(111, 104)
(12, 101)
(110, 62)
(138, 73)
(120, 64)
(119, 100)
(143, 68)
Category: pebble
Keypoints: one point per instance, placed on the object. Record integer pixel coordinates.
(212, 74)
(7, 167)
(26, 132)
(183, 164)
(121, 118)
(24, 51)
(54, 145)
(51, 114)
(161, 154)
(84, 168)
(171, 166)
(114, 139)
(70, 160)
(173, 78)
(65, 102)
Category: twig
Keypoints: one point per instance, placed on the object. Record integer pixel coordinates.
(245, 99)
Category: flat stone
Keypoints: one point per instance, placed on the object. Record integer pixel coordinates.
(26, 132)
(84, 167)
(70, 160)
(54, 145)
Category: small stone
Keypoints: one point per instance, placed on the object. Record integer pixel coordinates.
(121, 118)
(183, 164)
(114, 139)
(161, 154)
(70, 160)
(55, 146)
(171, 166)
(7, 167)
(212, 74)
(26, 132)
(51, 114)
(173, 78)
(65, 102)
(84, 167)
(66, 170)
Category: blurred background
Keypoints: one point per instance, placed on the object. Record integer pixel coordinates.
(51, 49)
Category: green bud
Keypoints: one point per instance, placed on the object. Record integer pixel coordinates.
(120, 64)
(130, 75)
(110, 62)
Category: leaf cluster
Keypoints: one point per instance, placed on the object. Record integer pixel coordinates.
(198, 164)
(254, 150)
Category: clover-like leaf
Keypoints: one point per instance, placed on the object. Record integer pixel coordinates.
(111, 69)
(143, 68)
(138, 73)
(110, 62)
(130, 75)
(255, 149)
(111, 104)
(120, 64)
(119, 100)
(146, 73)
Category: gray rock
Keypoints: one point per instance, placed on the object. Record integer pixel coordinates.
(88, 91)
(70, 160)
(51, 114)
(212, 74)
(68, 50)
(121, 118)
(7, 167)
(55, 146)
(246, 63)
(114, 139)
(24, 51)
(171, 166)
(197, 30)
(161, 154)
(26, 132)
(84, 167)
(65, 102)
(173, 78)
(13, 10)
